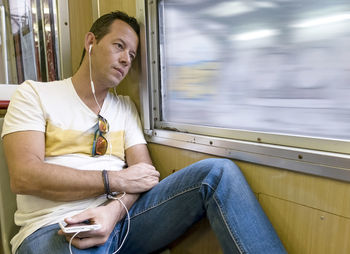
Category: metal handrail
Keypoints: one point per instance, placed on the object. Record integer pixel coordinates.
(3, 42)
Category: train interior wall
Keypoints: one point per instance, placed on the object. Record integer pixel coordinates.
(310, 214)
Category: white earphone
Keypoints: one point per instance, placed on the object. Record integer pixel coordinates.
(90, 47)
(91, 82)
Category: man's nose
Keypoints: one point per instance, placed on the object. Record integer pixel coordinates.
(125, 58)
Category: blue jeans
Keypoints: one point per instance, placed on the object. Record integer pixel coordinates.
(214, 188)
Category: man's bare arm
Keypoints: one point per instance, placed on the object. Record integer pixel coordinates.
(31, 175)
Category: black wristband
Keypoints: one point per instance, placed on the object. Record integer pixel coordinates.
(109, 194)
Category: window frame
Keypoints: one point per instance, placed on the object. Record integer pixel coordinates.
(317, 156)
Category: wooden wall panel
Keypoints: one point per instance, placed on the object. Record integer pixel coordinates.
(168, 159)
(305, 230)
(127, 6)
(2, 112)
(317, 192)
(80, 18)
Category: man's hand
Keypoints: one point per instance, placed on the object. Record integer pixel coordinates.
(137, 178)
(107, 216)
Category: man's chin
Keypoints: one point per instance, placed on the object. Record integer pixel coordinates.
(117, 80)
(113, 82)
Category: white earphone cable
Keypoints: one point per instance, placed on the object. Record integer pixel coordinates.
(128, 218)
(70, 242)
(91, 82)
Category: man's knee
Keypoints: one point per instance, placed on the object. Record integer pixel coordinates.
(222, 164)
(219, 168)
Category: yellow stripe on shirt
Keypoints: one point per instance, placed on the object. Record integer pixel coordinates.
(60, 142)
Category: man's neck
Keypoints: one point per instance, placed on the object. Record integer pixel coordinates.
(82, 86)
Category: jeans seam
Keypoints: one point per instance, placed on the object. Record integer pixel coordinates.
(166, 200)
(223, 217)
(233, 233)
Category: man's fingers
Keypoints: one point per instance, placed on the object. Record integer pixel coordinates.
(88, 242)
(144, 166)
(137, 178)
(80, 217)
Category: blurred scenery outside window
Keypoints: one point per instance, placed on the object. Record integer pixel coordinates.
(268, 66)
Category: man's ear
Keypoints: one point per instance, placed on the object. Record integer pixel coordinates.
(89, 40)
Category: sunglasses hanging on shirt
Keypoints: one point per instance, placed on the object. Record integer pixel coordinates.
(100, 143)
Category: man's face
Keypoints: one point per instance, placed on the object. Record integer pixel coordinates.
(113, 54)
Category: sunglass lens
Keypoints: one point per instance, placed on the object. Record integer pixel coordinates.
(103, 124)
(101, 145)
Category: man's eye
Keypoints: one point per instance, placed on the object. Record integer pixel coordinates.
(132, 57)
(119, 45)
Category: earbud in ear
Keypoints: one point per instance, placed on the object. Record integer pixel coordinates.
(90, 47)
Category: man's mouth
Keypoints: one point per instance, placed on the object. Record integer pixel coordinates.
(120, 71)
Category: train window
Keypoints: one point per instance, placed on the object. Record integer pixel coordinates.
(268, 72)
(34, 41)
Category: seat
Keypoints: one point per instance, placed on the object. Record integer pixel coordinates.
(7, 204)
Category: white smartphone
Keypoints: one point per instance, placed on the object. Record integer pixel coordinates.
(80, 227)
